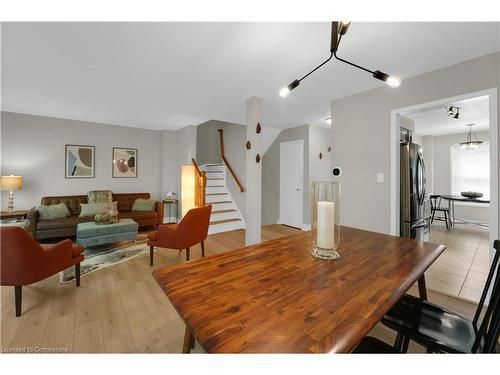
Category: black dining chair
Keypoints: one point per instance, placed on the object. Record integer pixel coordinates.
(372, 345)
(441, 330)
(436, 207)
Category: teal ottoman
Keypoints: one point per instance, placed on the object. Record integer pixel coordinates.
(92, 234)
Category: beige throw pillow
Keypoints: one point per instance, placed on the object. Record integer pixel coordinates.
(100, 196)
(90, 209)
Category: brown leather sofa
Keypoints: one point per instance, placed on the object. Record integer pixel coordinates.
(66, 227)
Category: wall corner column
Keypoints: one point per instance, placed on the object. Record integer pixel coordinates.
(254, 172)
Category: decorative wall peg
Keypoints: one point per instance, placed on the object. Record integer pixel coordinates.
(257, 158)
(258, 128)
(329, 148)
(248, 145)
(321, 155)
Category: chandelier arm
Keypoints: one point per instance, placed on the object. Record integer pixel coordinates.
(352, 64)
(319, 66)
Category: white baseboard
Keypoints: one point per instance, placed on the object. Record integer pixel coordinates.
(306, 227)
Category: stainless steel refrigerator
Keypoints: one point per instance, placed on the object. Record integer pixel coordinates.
(414, 207)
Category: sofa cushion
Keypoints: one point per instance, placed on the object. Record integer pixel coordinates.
(137, 215)
(90, 209)
(72, 202)
(125, 201)
(100, 196)
(67, 222)
(55, 211)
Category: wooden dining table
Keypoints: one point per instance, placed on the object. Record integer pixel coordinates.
(459, 198)
(275, 297)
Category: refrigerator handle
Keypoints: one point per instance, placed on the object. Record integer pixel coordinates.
(420, 182)
(419, 198)
(424, 180)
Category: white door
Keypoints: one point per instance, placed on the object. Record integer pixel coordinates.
(292, 183)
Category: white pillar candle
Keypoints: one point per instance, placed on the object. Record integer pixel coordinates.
(325, 237)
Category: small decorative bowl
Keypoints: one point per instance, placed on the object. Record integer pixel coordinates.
(471, 194)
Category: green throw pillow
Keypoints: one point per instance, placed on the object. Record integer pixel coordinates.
(143, 205)
(55, 211)
(90, 209)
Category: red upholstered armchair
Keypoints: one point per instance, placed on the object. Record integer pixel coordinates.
(24, 261)
(192, 229)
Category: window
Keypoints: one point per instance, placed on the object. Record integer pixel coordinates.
(470, 169)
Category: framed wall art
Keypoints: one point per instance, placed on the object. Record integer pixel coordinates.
(124, 162)
(79, 161)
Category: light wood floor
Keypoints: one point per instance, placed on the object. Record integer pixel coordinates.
(121, 309)
(116, 309)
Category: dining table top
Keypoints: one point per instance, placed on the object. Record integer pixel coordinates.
(274, 297)
(464, 199)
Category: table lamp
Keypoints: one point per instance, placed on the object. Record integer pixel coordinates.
(11, 183)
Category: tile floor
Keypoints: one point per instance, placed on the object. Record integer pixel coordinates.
(462, 269)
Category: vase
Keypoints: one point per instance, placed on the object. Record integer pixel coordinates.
(325, 217)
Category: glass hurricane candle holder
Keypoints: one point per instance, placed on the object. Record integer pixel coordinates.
(325, 215)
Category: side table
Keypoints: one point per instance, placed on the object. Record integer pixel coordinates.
(16, 214)
(171, 211)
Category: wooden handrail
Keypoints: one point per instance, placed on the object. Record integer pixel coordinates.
(200, 184)
(196, 167)
(223, 157)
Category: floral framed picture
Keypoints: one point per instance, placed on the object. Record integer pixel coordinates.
(124, 162)
(79, 161)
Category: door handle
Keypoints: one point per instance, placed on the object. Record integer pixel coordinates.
(297, 189)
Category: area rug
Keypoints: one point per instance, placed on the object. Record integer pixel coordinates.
(103, 256)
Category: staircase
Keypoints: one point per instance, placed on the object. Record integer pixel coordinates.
(225, 213)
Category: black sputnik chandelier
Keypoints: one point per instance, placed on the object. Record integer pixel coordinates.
(339, 29)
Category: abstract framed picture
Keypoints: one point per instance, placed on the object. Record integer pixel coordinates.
(79, 161)
(124, 162)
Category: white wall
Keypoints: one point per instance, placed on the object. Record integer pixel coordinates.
(361, 135)
(442, 175)
(33, 147)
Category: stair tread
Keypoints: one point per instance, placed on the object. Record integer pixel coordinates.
(213, 171)
(216, 194)
(223, 221)
(213, 179)
(223, 211)
(209, 186)
(220, 202)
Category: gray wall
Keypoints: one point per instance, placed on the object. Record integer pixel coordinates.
(361, 135)
(185, 150)
(208, 151)
(442, 174)
(271, 175)
(319, 169)
(33, 147)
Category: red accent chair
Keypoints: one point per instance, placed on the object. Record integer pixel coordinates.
(192, 229)
(24, 261)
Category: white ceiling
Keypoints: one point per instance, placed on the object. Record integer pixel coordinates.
(169, 75)
(435, 121)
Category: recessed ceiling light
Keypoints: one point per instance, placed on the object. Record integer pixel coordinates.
(328, 120)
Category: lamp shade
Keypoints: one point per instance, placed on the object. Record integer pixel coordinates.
(188, 188)
(11, 183)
